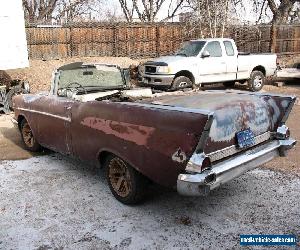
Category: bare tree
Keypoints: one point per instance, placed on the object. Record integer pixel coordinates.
(147, 10)
(39, 10)
(70, 10)
(281, 15)
(210, 16)
(75, 10)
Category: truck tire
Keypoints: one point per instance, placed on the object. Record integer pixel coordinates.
(181, 82)
(126, 184)
(28, 138)
(256, 81)
(15, 90)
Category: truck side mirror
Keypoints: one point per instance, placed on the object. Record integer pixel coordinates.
(205, 54)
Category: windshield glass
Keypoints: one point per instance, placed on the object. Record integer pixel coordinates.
(98, 76)
(191, 48)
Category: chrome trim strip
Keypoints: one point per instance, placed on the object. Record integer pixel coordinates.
(167, 107)
(67, 119)
(238, 92)
(289, 109)
(205, 133)
(200, 184)
(231, 150)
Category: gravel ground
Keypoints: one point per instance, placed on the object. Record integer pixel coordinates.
(54, 202)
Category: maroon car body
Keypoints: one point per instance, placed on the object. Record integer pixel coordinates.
(167, 137)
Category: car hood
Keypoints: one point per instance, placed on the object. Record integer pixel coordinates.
(169, 60)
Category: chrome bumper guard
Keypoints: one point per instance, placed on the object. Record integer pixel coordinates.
(199, 184)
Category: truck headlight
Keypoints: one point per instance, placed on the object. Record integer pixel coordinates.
(141, 69)
(163, 69)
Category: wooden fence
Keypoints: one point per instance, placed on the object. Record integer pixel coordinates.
(146, 40)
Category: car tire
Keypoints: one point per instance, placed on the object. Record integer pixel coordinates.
(181, 82)
(126, 184)
(28, 139)
(256, 81)
(229, 84)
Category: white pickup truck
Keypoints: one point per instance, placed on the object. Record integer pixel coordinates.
(206, 61)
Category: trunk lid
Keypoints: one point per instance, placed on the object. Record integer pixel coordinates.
(234, 112)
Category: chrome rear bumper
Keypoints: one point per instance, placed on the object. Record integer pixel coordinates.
(198, 184)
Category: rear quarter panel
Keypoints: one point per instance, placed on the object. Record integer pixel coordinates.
(156, 142)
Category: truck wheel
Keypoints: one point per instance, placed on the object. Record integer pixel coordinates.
(126, 184)
(16, 90)
(229, 84)
(256, 81)
(28, 139)
(181, 82)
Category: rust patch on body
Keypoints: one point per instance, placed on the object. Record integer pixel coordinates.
(126, 131)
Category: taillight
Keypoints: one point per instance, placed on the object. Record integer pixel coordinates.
(206, 163)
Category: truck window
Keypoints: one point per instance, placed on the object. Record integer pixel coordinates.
(191, 48)
(214, 49)
(229, 48)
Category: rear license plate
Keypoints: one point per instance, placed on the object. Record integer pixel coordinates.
(245, 138)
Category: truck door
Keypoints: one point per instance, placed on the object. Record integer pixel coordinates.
(231, 61)
(213, 68)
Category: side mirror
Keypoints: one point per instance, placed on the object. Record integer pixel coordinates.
(205, 54)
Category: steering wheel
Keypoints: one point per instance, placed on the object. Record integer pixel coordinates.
(78, 86)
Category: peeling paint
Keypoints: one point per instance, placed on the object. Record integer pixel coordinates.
(126, 131)
(238, 116)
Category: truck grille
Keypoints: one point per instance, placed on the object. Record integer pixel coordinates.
(150, 69)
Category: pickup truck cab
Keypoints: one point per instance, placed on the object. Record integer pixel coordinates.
(208, 61)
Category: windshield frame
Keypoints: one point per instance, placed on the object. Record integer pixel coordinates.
(80, 65)
(192, 41)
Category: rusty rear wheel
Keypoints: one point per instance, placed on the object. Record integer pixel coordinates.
(29, 141)
(126, 184)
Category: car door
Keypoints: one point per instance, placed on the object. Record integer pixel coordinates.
(230, 57)
(213, 67)
(54, 118)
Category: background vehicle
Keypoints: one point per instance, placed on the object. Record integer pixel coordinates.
(13, 51)
(193, 142)
(208, 61)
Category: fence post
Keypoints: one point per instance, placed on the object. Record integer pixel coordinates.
(115, 47)
(71, 42)
(157, 31)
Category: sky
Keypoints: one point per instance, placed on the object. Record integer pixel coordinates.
(244, 12)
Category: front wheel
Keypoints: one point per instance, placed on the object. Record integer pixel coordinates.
(126, 184)
(28, 138)
(181, 82)
(256, 81)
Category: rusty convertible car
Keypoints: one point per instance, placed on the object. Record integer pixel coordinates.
(193, 141)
